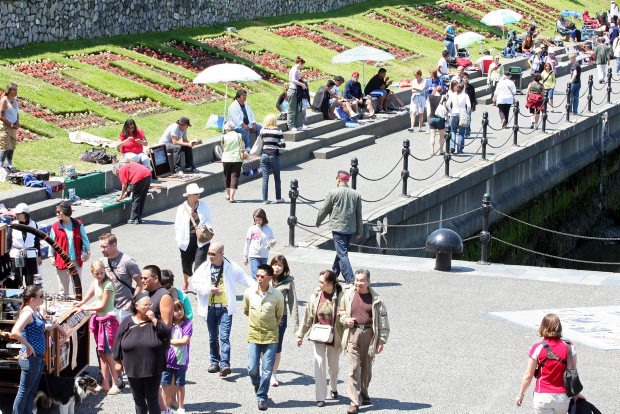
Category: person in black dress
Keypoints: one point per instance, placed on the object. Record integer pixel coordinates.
(139, 349)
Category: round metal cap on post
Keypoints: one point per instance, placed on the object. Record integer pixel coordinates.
(444, 243)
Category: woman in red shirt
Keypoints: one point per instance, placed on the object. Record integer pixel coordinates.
(549, 394)
(135, 178)
(132, 144)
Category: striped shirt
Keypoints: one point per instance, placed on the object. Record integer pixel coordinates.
(273, 140)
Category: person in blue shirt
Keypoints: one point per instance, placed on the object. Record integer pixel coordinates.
(448, 42)
(353, 93)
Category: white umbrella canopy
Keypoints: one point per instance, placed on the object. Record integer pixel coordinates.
(363, 54)
(467, 39)
(226, 72)
(501, 17)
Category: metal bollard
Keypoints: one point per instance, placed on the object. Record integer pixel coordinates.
(405, 173)
(447, 156)
(515, 126)
(608, 85)
(354, 172)
(485, 235)
(568, 102)
(590, 85)
(292, 218)
(484, 139)
(544, 115)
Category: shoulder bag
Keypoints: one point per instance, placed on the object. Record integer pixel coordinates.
(464, 117)
(321, 333)
(204, 234)
(113, 270)
(572, 384)
(257, 148)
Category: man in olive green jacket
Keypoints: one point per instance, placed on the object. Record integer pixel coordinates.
(264, 306)
(344, 207)
(367, 328)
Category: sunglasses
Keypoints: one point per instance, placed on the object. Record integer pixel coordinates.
(213, 253)
(262, 276)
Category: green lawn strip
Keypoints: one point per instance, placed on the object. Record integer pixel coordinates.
(48, 154)
(148, 74)
(122, 88)
(39, 126)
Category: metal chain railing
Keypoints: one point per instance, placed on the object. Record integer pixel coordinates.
(435, 221)
(430, 176)
(388, 173)
(468, 157)
(505, 142)
(385, 196)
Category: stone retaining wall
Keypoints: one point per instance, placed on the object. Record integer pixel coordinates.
(46, 20)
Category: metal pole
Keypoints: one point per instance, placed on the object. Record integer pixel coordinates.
(292, 218)
(405, 173)
(354, 172)
(485, 235)
(485, 141)
(590, 85)
(544, 115)
(609, 85)
(447, 156)
(515, 126)
(568, 102)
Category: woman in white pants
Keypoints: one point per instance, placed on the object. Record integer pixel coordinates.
(322, 309)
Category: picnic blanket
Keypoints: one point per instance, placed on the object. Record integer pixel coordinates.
(81, 137)
(180, 177)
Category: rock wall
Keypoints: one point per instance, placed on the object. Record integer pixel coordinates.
(46, 20)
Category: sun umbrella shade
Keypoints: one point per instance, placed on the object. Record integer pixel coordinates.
(501, 17)
(227, 72)
(467, 39)
(362, 53)
(570, 13)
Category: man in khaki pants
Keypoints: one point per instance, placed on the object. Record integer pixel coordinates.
(365, 319)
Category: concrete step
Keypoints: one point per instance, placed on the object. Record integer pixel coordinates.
(314, 130)
(22, 195)
(343, 147)
(95, 230)
(43, 209)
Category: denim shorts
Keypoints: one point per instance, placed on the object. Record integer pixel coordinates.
(179, 377)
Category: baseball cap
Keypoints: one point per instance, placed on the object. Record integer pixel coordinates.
(184, 121)
(21, 208)
(355, 74)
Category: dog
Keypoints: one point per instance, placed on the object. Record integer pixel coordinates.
(65, 392)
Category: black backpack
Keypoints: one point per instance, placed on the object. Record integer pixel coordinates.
(98, 156)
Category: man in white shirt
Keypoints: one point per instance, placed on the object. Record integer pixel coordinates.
(613, 11)
(242, 117)
(442, 66)
(175, 139)
(459, 72)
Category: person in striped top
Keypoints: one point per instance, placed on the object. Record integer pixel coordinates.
(273, 142)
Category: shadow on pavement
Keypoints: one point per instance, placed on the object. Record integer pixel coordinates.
(388, 403)
(212, 407)
(385, 284)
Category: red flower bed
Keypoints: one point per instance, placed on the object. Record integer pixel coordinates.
(23, 135)
(363, 39)
(299, 31)
(50, 72)
(439, 17)
(70, 122)
(409, 24)
(269, 60)
(191, 92)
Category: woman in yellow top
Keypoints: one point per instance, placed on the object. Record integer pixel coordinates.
(233, 154)
(496, 72)
(548, 81)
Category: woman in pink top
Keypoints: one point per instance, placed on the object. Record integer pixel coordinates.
(549, 394)
(132, 143)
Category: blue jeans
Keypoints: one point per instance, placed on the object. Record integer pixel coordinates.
(574, 96)
(254, 263)
(246, 135)
(270, 164)
(341, 262)
(219, 324)
(449, 44)
(32, 368)
(261, 375)
(617, 65)
(454, 130)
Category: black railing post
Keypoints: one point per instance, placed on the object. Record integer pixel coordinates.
(590, 85)
(447, 156)
(485, 140)
(544, 115)
(354, 172)
(485, 235)
(405, 173)
(292, 218)
(569, 102)
(515, 126)
(609, 84)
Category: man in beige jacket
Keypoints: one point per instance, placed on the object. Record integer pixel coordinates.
(365, 319)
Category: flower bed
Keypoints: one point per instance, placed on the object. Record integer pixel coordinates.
(50, 72)
(409, 24)
(269, 60)
(23, 135)
(190, 92)
(363, 39)
(295, 30)
(437, 16)
(69, 122)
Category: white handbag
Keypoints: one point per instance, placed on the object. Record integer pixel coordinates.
(257, 148)
(321, 333)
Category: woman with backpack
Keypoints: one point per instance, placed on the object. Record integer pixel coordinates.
(547, 363)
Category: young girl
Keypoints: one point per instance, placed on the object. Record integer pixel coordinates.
(283, 281)
(103, 324)
(258, 241)
(178, 359)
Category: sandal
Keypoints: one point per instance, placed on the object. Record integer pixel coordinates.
(185, 287)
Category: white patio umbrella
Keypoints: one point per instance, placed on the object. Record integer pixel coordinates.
(467, 39)
(226, 72)
(363, 54)
(501, 18)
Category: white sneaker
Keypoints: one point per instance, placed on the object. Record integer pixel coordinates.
(114, 390)
(304, 128)
(293, 129)
(180, 411)
(280, 201)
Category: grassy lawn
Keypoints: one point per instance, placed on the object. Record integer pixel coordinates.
(49, 153)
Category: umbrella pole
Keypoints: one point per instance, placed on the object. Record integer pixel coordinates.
(225, 102)
(363, 74)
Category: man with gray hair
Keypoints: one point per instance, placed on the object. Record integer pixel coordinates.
(366, 330)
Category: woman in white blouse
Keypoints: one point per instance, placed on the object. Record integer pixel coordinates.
(460, 116)
(504, 97)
